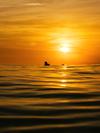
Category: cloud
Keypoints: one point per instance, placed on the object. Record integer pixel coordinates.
(34, 4)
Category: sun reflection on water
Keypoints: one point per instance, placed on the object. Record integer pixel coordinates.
(63, 82)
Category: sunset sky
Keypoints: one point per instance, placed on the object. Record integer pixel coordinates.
(32, 31)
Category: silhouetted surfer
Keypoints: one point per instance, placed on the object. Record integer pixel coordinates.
(46, 63)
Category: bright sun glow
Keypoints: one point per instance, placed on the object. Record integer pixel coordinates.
(64, 49)
(64, 46)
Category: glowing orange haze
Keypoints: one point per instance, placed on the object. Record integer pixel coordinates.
(65, 32)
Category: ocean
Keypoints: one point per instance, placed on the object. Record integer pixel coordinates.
(52, 99)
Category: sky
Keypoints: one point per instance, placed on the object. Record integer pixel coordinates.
(32, 31)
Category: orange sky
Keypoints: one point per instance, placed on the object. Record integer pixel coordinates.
(32, 31)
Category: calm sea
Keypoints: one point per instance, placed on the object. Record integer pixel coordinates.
(53, 99)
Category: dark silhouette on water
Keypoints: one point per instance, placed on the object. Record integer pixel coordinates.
(46, 63)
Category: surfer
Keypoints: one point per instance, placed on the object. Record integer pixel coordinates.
(46, 63)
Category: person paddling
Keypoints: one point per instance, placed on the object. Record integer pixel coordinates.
(46, 63)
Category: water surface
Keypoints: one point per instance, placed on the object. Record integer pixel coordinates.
(49, 99)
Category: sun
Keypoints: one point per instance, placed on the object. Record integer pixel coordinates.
(64, 49)
(64, 46)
